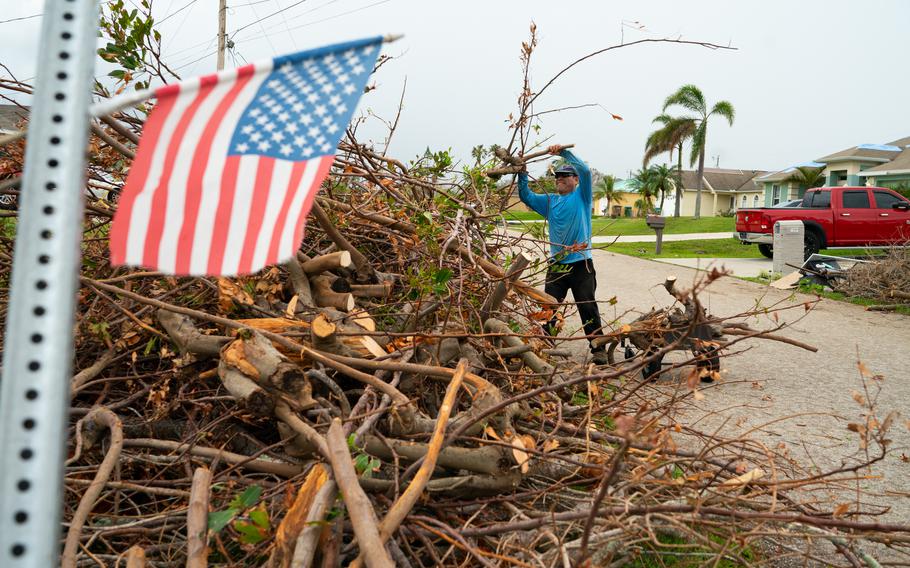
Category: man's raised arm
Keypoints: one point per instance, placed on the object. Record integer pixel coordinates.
(584, 174)
(539, 203)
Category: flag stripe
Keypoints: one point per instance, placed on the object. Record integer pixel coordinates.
(276, 249)
(245, 183)
(256, 211)
(139, 172)
(323, 165)
(279, 186)
(142, 209)
(223, 215)
(160, 195)
(215, 211)
(195, 184)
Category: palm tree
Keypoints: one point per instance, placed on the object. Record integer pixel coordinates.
(663, 181)
(643, 183)
(807, 177)
(671, 136)
(691, 98)
(605, 189)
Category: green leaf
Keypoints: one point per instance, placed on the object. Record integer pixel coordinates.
(361, 463)
(250, 533)
(260, 517)
(248, 498)
(150, 346)
(677, 472)
(442, 276)
(220, 519)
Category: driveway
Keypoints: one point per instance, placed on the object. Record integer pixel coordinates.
(799, 402)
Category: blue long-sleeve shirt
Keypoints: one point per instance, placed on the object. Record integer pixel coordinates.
(569, 216)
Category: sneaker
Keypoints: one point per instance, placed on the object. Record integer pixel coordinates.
(600, 357)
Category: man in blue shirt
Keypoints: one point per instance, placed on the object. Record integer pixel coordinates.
(568, 213)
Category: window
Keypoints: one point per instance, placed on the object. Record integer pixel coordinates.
(745, 201)
(856, 200)
(775, 194)
(839, 177)
(817, 199)
(884, 200)
(755, 201)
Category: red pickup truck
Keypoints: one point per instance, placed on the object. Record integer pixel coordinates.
(833, 217)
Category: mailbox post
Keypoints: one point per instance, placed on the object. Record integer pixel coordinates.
(657, 223)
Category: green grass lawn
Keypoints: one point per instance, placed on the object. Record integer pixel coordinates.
(708, 248)
(675, 226)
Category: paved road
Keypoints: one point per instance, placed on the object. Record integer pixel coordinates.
(770, 381)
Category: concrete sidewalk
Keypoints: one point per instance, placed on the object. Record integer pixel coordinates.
(738, 266)
(601, 239)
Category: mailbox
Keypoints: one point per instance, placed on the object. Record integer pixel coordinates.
(656, 221)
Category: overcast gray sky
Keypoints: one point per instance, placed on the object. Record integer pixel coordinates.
(808, 77)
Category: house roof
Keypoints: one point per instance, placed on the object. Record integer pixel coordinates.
(901, 142)
(719, 179)
(10, 117)
(865, 152)
(787, 172)
(900, 164)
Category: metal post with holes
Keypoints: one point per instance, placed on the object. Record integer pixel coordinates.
(38, 345)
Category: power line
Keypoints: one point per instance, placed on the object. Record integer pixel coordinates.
(184, 7)
(326, 19)
(270, 15)
(22, 18)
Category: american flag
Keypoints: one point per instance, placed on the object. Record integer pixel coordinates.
(229, 164)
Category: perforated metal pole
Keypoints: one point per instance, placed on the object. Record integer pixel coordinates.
(38, 345)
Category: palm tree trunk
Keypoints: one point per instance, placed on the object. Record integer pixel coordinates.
(698, 182)
(679, 188)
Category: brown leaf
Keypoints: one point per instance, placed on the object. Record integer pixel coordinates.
(863, 370)
(491, 433)
(519, 453)
(840, 510)
(550, 445)
(859, 398)
(692, 379)
(615, 116)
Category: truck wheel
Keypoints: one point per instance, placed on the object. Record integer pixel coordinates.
(812, 243)
(766, 250)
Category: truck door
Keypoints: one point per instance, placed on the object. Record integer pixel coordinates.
(856, 221)
(894, 224)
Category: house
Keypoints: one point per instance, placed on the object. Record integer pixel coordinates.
(778, 188)
(723, 191)
(623, 205)
(883, 165)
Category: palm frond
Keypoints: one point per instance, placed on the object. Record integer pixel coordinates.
(689, 97)
(698, 142)
(724, 109)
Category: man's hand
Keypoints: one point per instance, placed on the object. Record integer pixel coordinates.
(555, 149)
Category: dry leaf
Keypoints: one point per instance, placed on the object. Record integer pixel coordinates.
(550, 445)
(519, 453)
(491, 433)
(863, 370)
(859, 398)
(745, 478)
(229, 292)
(625, 329)
(692, 379)
(840, 510)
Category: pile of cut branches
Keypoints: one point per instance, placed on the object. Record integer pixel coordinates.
(886, 280)
(388, 397)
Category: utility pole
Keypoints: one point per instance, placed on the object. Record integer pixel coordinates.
(222, 32)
